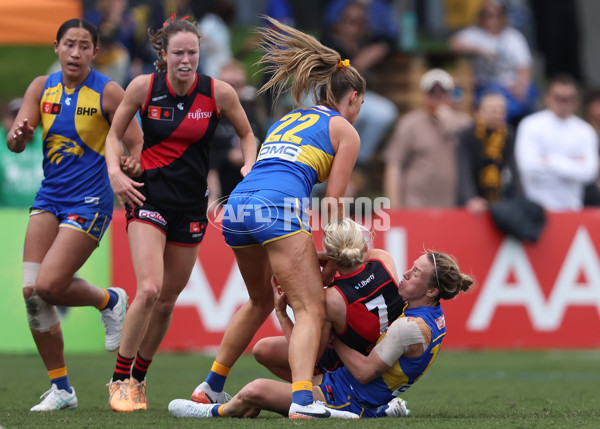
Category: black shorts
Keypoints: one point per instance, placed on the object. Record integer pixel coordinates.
(184, 227)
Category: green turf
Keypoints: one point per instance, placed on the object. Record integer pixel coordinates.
(545, 389)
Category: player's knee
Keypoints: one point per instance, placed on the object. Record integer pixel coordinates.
(42, 317)
(46, 292)
(148, 295)
(261, 351)
(315, 312)
(253, 393)
(264, 303)
(164, 309)
(49, 289)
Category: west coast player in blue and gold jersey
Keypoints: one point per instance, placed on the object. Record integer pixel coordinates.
(74, 205)
(265, 221)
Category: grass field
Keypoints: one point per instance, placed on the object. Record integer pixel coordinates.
(545, 389)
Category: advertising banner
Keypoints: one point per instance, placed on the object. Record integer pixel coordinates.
(542, 295)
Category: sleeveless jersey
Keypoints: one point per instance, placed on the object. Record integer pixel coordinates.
(74, 136)
(372, 304)
(177, 136)
(405, 371)
(296, 154)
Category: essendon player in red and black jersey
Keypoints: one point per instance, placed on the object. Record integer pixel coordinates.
(372, 304)
(166, 216)
(177, 134)
(361, 302)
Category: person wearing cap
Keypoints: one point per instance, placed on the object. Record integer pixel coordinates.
(20, 174)
(420, 163)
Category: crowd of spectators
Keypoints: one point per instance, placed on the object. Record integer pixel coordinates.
(521, 135)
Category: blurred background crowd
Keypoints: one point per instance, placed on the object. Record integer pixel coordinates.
(468, 103)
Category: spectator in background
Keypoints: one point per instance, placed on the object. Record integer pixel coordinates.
(501, 60)
(276, 106)
(282, 11)
(116, 30)
(557, 30)
(350, 36)
(20, 173)
(180, 8)
(487, 170)
(556, 151)
(382, 18)
(420, 159)
(215, 44)
(226, 158)
(591, 108)
(113, 59)
(591, 112)
(150, 15)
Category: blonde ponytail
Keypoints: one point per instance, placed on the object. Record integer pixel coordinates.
(300, 64)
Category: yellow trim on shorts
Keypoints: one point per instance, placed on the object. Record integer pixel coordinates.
(291, 233)
(318, 386)
(37, 211)
(92, 223)
(285, 236)
(64, 225)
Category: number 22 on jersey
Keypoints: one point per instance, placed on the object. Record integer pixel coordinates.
(283, 133)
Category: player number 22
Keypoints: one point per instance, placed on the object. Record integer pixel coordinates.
(290, 136)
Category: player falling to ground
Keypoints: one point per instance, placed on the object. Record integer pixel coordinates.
(366, 386)
(361, 301)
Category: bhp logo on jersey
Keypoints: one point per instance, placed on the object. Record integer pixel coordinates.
(87, 111)
(199, 114)
(160, 113)
(52, 108)
(155, 216)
